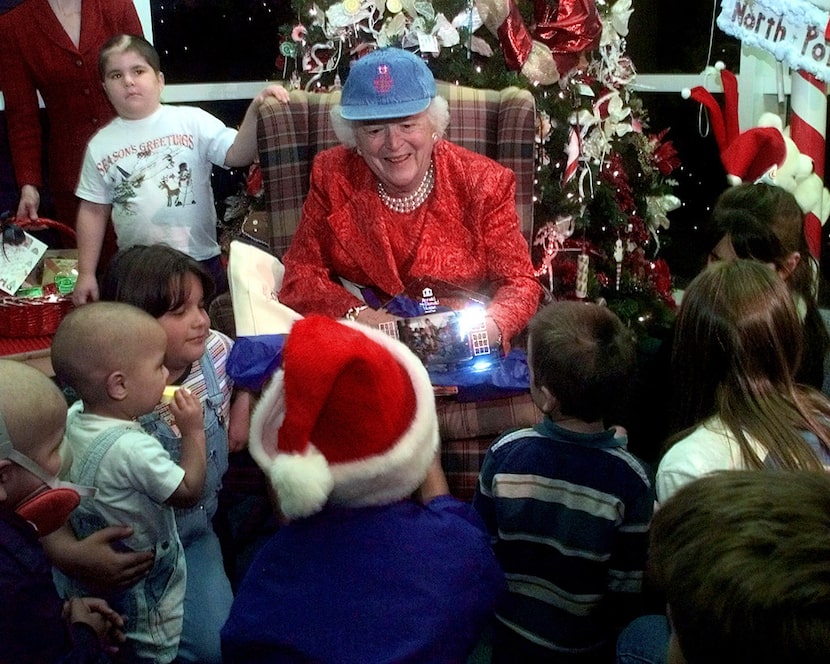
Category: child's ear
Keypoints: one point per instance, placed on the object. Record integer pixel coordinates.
(549, 400)
(674, 654)
(789, 265)
(117, 385)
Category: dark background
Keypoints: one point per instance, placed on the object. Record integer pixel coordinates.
(237, 40)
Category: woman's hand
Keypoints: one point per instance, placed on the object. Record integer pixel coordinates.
(29, 203)
(95, 561)
(494, 336)
(99, 615)
(374, 317)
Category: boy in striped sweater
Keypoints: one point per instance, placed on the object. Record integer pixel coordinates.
(567, 506)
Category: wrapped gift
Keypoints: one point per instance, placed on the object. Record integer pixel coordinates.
(60, 267)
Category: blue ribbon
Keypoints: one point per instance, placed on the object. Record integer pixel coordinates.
(508, 373)
(253, 360)
(404, 306)
(512, 372)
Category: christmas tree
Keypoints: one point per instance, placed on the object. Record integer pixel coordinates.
(604, 187)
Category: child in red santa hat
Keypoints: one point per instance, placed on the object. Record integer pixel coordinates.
(377, 562)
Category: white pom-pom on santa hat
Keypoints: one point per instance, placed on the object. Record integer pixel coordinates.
(349, 419)
(304, 479)
(304, 482)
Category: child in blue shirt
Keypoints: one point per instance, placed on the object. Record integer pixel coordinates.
(377, 562)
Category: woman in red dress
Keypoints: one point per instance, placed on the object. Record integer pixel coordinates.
(51, 47)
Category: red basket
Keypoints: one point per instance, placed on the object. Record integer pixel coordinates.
(32, 316)
(35, 316)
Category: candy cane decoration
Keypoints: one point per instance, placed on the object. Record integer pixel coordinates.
(320, 67)
(551, 237)
(572, 152)
(582, 276)
(808, 122)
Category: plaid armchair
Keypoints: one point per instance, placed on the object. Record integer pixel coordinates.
(498, 123)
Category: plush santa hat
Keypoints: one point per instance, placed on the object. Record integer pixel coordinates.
(749, 156)
(348, 419)
(754, 155)
(765, 154)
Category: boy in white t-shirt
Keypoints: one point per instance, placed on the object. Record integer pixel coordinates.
(149, 169)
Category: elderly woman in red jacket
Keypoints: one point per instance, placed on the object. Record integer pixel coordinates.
(51, 47)
(397, 203)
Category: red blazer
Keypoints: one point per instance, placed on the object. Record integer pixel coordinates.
(36, 54)
(466, 233)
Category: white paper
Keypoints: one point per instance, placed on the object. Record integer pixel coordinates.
(17, 261)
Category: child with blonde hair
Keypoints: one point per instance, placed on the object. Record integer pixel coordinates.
(35, 624)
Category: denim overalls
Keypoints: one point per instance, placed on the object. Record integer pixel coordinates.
(208, 595)
(153, 607)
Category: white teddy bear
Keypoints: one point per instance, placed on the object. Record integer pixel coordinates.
(796, 174)
(765, 153)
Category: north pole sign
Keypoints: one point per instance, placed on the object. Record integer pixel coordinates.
(794, 31)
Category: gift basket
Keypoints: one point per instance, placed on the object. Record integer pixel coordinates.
(37, 307)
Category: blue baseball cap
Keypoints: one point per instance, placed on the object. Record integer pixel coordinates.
(387, 83)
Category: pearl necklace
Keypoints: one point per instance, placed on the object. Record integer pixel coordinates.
(414, 200)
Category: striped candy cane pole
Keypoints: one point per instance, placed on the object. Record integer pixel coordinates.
(807, 129)
(572, 152)
(582, 276)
